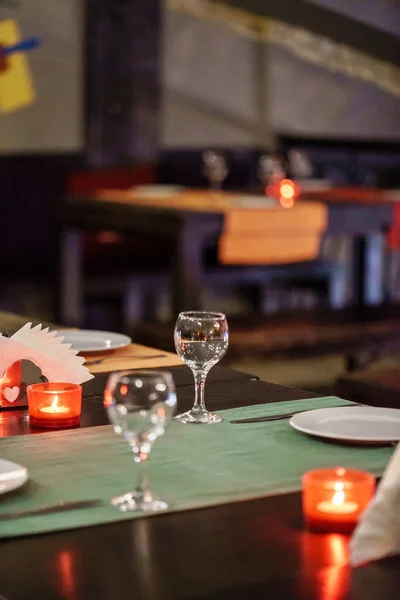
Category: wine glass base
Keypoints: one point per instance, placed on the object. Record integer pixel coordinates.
(134, 502)
(199, 417)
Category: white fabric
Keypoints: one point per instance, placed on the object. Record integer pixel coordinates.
(221, 89)
(378, 532)
(57, 361)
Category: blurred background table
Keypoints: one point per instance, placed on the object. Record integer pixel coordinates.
(186, 235)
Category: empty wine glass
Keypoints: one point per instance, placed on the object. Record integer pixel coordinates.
(201, 340)
(300, 166)
(139, 404)
(270, 169)
(214, 169)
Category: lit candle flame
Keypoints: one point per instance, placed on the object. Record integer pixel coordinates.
(54, 404)
(338, 496)
(287, 193)
(287, 189)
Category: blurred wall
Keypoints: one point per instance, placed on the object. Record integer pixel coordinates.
(307, 100)
(222, 87)
(212, 85)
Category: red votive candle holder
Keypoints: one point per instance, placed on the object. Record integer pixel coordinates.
(54, 405)
(334, 499)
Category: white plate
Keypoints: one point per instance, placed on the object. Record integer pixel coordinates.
(12, 476)
(314, 185)
(86, 340)
(157, 191)
(393, 195)
(361, 424)
(254, 202)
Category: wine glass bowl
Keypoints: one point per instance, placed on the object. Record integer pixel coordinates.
(201, 340)
(139, 405)
(215, 169)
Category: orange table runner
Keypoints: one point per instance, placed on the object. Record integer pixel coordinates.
(253, 232)
(134, 356)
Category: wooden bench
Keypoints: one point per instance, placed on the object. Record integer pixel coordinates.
(361, 336)
(143, 295)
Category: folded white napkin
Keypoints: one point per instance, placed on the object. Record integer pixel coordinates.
(57, 361)
(378, 532)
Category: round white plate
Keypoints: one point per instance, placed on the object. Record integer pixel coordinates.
(314, 185)
(157, 191)
(361, 424)
(393, 195)
(254, 202)
(86, 340)
(12, 476)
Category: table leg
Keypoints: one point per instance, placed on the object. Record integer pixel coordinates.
(187, 275)
(70, 287)
(393, 275)
(370, 256)
(336, 250)
(337, 292)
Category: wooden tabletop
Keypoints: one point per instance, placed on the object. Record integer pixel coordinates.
(134, 356)
(344, 218)
(357, 194)
(255, 230)
(255, 549)
(206, 201)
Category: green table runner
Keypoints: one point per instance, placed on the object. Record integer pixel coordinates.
(190, 467)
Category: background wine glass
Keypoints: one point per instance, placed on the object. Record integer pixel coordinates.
(270, 170)
(139, 404)
(201, 340)
(215, 169)
(300, 166)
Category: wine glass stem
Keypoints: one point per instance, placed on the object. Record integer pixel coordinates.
(199, 385)
(142, 483)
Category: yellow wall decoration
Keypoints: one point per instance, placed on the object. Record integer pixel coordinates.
(16, 87)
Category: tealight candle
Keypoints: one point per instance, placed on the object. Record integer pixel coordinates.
(334, 499)
(54, 405)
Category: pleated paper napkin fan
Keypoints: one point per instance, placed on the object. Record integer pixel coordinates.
(56, 360)
(378, 532)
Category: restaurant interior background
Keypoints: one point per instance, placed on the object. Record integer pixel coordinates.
(133, 92)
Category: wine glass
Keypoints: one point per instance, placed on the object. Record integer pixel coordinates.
(201, 340)
(139, 404)
(300, 165)
(215, 169)
(270, 169)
